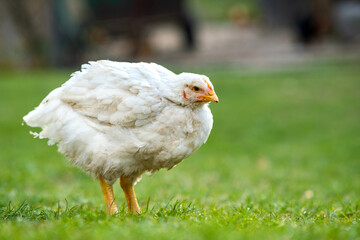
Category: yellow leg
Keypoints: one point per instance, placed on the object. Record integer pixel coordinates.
(109, 196)
(128, 188)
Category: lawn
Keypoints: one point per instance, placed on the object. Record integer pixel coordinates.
(282, 162)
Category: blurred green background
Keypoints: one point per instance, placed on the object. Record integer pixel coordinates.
(282, 161)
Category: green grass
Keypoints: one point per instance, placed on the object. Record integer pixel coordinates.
(282, 162)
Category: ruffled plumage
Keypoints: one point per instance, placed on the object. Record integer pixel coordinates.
(121, 119)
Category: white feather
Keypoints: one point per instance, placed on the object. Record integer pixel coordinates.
(114, 119)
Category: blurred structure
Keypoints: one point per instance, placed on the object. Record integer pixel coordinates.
(130, 19)
(312, 20)
(347, 20)
(60, 32)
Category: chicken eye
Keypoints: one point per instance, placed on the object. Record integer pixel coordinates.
(196, 89)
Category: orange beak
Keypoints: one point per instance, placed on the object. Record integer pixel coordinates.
(209, 97)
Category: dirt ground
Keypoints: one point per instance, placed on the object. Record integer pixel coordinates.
(230, 45)
(253, 46)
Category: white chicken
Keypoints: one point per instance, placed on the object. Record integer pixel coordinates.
(119, 120)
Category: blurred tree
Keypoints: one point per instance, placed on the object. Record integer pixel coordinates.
(68, 41)
(32, 39)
